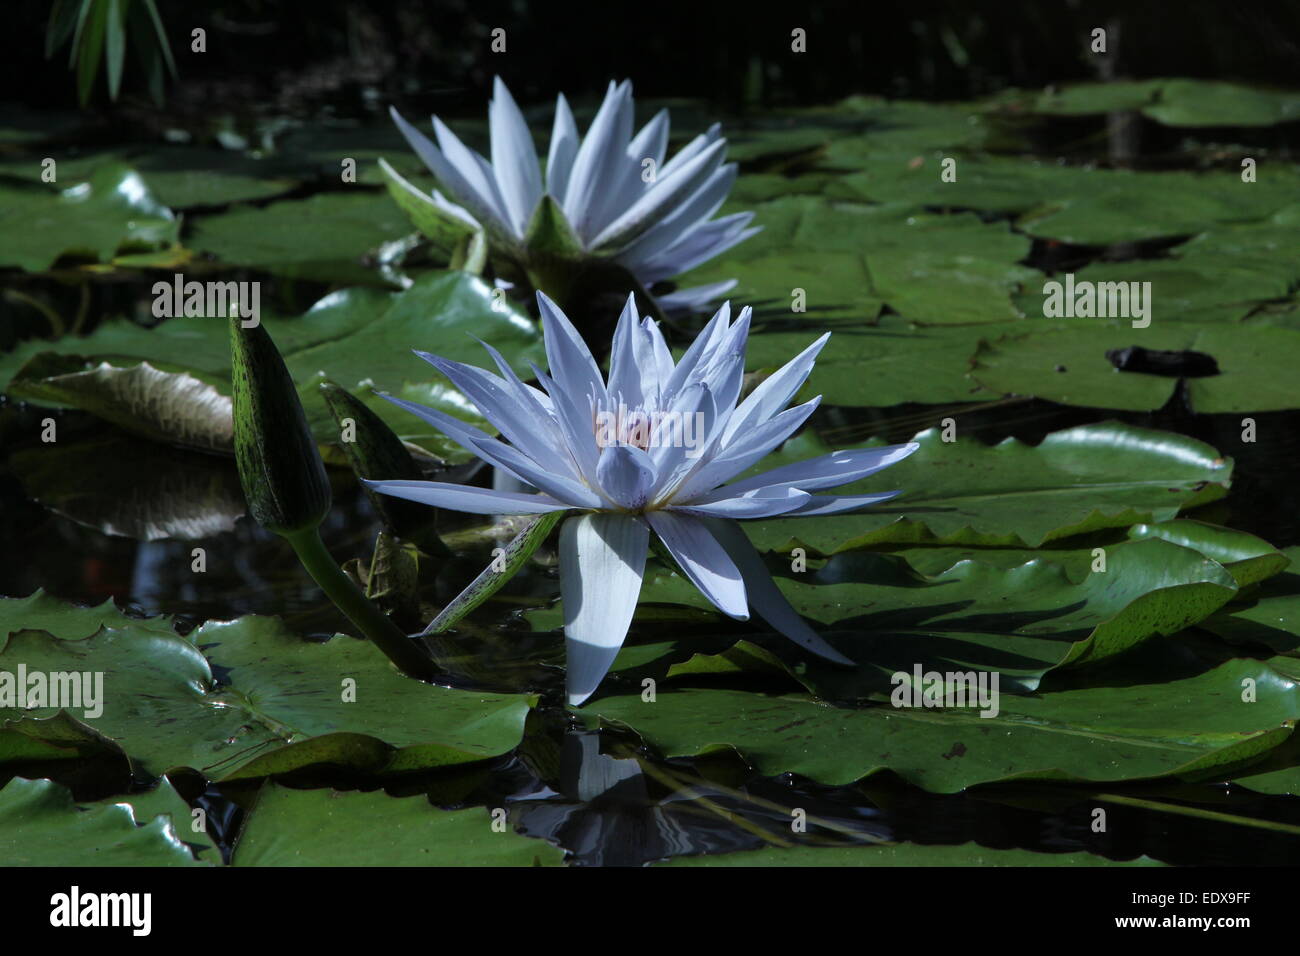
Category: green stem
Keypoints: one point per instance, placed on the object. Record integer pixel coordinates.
(405, 654)
(1197, 812)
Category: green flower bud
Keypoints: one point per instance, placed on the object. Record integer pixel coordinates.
(282, 473)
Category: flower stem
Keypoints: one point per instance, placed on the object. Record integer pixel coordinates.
(405, 654)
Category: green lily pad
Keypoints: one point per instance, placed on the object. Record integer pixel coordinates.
(1075, 204)
(1065, 361)
(42, 612)
(1212, 103)
(327, 236)
(288, 703)
(850, 257)
(1020, 621)
(902, 854)
(1247, 558)
(1173, 102)
(1082, 99)
(1107, 206)
(181, 177)
(359, 338)
(112, 210)
(333, 828)
(1011, 495)
(886, 363)
(1190, 728)
(1199, 288)
(1269, 618)
(904, 125)
(41, 825)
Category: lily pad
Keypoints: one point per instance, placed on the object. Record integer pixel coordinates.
(1020, 621)
(162, 404)
(359, 338)
(1190, 728)
(142, 489)
(1067, 362)
(1210, 284)
(889, 362)
(850, 257)
(112, 210)
(43, 612)
(41, 825)
(1268, 618)
(1247, 558)
(902, 854)
(1211, 103)
(327, 236)
(181, 177)
(1011, 495)
(287, 703)
(333, 828)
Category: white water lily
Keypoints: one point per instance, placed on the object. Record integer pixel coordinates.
(620, 199)
(611, 451)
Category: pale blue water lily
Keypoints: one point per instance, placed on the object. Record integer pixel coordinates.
(653, 449)
(621, 199)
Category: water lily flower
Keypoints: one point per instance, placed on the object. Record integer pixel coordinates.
(653, 449)
(612, 195)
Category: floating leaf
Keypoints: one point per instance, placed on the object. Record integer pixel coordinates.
(850, 257)
(360, 338)
(903, 854)
(1189, 728)
(41, 611)
(1067, 362)
(162, 705)
(1020, 620)
(41, 825)
(161, 404)
(1014, 495)
(113, 210)
(327, 236)
(887, 363)
(333, 828)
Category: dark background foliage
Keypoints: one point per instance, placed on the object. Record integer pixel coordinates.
(354, 57)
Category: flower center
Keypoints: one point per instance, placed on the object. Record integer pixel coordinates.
(624, 426)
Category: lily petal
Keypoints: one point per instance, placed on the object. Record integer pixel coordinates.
(764, 503)
(626, 475)
(702, 560)
(839, 504)
(514, 157)
(764, 597)
(660, 200)
(564, 146)
(602, 153)
(602, 559)
(480, 205)
(775, 392)
(468, 498)
(826, 471)
(744, 450)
